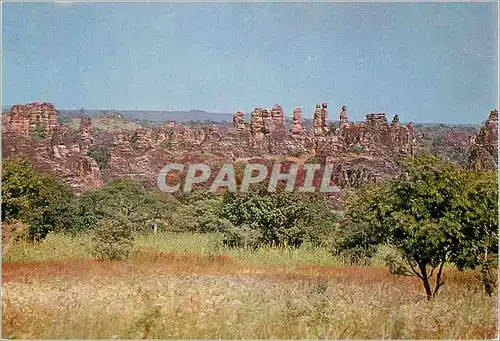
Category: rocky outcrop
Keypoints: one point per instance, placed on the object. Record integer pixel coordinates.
(38, 119)
(296, 119)
(484, 145)
(320, 120)
(344, 122)
(33, 131)
(277, 119)
(376, 137)
(86, 139)
(239, 122)
(141, 153)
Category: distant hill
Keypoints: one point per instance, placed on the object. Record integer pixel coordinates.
(156, 116)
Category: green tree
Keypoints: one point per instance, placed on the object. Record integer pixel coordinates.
(432, 213)
(478, 214)
(199, 216)
(113, 239)
(361, 230)
(274, 218)
(37, 199)
(101, 155)
(125, 198)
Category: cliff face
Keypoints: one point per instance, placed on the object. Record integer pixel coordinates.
(361, 152)
(30, 119)
(484, 145)
(33, 131)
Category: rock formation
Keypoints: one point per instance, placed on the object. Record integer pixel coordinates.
(362, 151)
(484, 145)
(239, 121)
(320, 120)
(344, 123)
(85, 134)
(297, 127)
(34, 118)
(278, 118)
(376, 137)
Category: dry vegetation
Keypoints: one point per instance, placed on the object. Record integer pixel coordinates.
(189, 286)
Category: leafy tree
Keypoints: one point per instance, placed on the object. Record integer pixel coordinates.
(360, 230)
(37, 199)
(273, 218)
(101, 155)
(432, 213)
(199, 216)
(478, 214)
(128, 199)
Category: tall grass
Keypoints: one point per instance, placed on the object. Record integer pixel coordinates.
(66, 247)
(163, 306)
(184, 286)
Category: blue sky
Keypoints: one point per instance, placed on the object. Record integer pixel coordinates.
(428, 62)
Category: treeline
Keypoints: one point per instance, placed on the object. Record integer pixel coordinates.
(123, 209)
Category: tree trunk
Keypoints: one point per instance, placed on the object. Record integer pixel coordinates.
(425, 280)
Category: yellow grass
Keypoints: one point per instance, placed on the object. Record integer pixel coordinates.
(175, 286)
(163, 306)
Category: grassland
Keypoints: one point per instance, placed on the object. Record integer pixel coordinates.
(190, 286)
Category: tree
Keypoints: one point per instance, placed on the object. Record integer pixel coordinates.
(101, 155)
(200, 216)
(37, 199)
(113, 239)
(478, 213)
(432, 213)
(125, 199)
(361, 230)
(274, 218)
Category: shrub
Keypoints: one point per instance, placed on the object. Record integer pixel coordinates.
(113, 239)
(246, 236)
(39, 132)
(356, 148)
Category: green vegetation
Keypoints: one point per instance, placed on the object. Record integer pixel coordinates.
(37, 199)
(113, 239)
(274, 218)
(356, 148)
(39, 132)
(431, 214)
(101, 155)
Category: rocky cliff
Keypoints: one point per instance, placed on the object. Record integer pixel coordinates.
(484, 145)
(361, 152)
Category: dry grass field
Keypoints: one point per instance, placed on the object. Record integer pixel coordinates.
(188, 286)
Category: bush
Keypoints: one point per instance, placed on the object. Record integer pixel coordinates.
(246, 236)
(356, 148)
(113, 239)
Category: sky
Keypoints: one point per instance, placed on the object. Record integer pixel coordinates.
(427, 62)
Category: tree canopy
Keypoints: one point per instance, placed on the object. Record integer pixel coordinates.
(432, 213)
